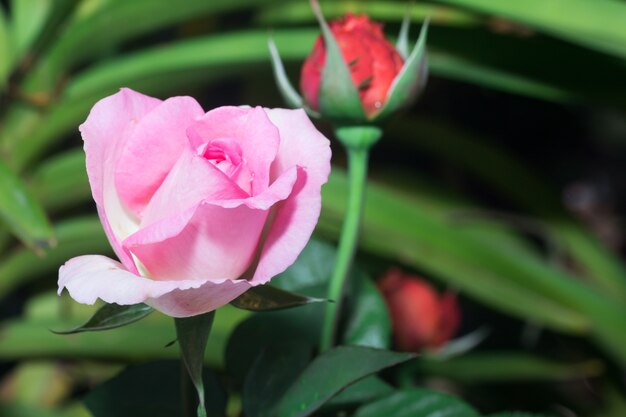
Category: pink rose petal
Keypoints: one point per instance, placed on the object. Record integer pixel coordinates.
(105, 133)
(257, 136)
(193, 179)
(301, 144)
(153, 148)
(90, 277)
(218, 238)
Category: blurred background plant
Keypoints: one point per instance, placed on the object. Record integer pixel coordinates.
(504, 183)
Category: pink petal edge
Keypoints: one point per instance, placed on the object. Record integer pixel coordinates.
(302, 145)
(90, 277)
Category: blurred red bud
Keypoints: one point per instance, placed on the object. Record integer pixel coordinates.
(373, 62)
(421, 318)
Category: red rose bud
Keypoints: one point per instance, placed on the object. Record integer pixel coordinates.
(354, 76)
(421, 318)
(373, 62)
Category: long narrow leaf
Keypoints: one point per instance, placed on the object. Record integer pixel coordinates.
(22, 213)
(76, 236)
(600, 24)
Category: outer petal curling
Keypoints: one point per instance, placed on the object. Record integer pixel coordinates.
(105, 132)
(295, 218)
(90, 277)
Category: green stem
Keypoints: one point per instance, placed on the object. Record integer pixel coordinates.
(358, 140)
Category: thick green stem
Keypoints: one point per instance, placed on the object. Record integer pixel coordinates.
(358, 140)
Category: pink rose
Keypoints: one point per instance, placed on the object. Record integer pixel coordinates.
(199, 207)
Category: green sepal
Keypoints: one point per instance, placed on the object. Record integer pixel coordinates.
(411, 79)
(402, 44)
(338, 97)
(289, 93)
(111, 316)
(192, 334)
(269, 298)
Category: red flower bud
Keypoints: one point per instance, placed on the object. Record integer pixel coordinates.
(420, 317)
(372, 59)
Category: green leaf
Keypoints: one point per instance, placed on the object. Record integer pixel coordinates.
(369, 323)
(112, 316)
(277, 366)
(302, 324)
(417, 403)
(598, 24)
(269, 298)
(495, 367)
(290, 95)
(332, 372)
(397, 226)
(338, 97)
(22, 213)
(28, 337)
(363, 391)
(443, 140)
(27, 21)
(61, 181)
(5, 49)
(151, 389)
(122, 21)
(299, 13)
(28, 410)
(311, 270)
(76, 236)
(516, 414)
(411, 79)
(193, 334)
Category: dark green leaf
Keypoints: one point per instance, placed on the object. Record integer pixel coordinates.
(369, 323)
(153, 390)
(492, 367)
(269, 298)
(332, 372)
(271, 374)
(22, 213)
(193, 335)
(302, 324)
(363, 391)
(598, 24)
(111, 316)
(312, 269)
(417, 403)
(516, 414)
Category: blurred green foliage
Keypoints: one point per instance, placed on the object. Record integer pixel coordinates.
(519, 253)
